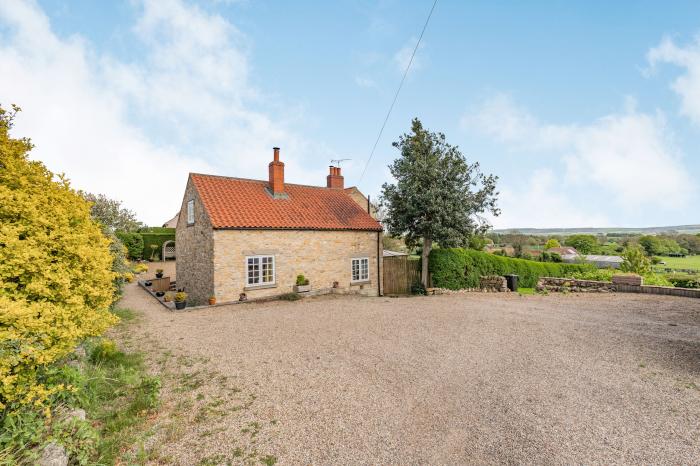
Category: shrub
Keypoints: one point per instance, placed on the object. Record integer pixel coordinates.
(684, 280)
(180, 296)
(56, 282)
(635, 261)
(133, 242)
(461, 268)
(155, 236)
(290, 297)
(600, 275)
(139, 268)
(302, 280)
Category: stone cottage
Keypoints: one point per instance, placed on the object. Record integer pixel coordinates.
(247, 236)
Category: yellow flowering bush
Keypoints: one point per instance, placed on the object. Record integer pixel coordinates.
(140, 268)
(56, 283)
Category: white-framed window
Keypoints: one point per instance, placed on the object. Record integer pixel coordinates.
(360, 269)
(260, 270)
(190, 212)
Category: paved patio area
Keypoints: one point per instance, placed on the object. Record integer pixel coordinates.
(474, 378)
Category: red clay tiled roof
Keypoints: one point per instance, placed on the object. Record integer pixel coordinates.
(241, 203)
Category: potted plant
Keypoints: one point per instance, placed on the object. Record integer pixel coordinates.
(159, 273)
(180, 300)
(212, 300)
(302, 284)
(242, 297)
(168, 297)
(160, 294)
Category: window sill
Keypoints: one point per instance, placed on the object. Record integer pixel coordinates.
(361, 282)
(259, 287)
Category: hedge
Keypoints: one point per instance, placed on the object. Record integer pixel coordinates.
(461, 268)
(158, 236)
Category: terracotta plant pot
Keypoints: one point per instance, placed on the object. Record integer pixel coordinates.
(212, 301)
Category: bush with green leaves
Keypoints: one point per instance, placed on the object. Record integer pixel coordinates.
(302, 280)
(133, 242)
(584, 244)
(635, 261)
(684, 280)
(458, 268)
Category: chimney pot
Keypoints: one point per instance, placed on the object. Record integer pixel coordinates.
(334, 179)
(276, 172)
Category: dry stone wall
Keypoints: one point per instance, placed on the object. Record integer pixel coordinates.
(570, 284)
(493, 283)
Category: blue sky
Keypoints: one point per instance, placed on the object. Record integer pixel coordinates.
(588, 112)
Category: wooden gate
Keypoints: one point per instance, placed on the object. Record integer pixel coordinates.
(400, 274)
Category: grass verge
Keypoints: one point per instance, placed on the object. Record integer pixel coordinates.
(113, 389)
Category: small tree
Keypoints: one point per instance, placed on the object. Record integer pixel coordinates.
(635, 261)
(437, 196)
(584, 244)
(552, 243)
(111, 214)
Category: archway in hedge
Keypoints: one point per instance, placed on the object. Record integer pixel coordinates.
(168, 250)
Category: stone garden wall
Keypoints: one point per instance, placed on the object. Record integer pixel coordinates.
(585, 286)
(570, 284)
(493, 283)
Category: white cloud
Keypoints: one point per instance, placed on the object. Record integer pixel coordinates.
(629, 155)
(403, 56)
(365, 82)
(133, 130)
(541, 203)
(687, 85)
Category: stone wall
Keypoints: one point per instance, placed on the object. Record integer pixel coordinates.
(361, 200)
(194, 248)
(570, 284)
(493, 283)
(321, 256)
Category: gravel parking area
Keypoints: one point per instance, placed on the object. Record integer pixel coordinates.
(473, 378)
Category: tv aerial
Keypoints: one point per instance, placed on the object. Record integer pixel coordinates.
(337, 161)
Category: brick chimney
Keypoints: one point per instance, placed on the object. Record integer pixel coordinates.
(276, 173)
(334, 179)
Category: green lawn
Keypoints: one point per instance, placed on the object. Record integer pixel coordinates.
(687, 262)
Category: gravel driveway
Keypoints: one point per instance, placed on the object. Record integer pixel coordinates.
(473, 378)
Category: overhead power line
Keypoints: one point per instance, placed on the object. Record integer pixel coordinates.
(396, 96)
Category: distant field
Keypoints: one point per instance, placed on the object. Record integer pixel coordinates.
(687, 262)
(691, 229)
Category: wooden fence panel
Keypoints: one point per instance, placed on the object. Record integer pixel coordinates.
(400, 274)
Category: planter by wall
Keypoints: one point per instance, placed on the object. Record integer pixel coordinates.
(302, 288)
(180, 305)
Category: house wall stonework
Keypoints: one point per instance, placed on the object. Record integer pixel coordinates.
(194, 247)
(361, 200)
(321, 256)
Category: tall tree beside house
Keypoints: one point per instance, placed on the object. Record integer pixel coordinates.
(438, 196)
